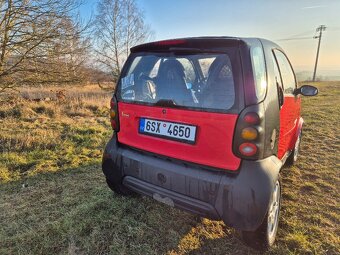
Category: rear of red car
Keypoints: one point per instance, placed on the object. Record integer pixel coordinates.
(181, 103)
(186, 133)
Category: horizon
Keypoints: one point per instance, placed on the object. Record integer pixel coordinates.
(290, 24)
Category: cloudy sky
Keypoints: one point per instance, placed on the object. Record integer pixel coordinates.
(290, 23)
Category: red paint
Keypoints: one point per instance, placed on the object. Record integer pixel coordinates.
(289, 123)
(170, 42)
(214, 135)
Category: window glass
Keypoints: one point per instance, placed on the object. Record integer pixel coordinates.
(188, 70)
(286, 71)
(277, 74)
(172, 79)
(154, 70)
(205, 64)
(134, 63)
(259, 67)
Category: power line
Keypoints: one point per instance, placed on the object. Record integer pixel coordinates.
(333, 28)
(300, 36)
(296, 38)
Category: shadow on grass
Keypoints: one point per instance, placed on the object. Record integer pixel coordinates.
(73, 211)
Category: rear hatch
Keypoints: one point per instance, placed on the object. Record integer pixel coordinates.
(182, 102)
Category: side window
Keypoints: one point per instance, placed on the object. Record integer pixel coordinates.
(278, 81)
(259, 67)
(277, 74)
(287, 74)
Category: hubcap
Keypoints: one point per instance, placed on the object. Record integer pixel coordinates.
(273, 213)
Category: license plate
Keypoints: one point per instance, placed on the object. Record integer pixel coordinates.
(169, 130)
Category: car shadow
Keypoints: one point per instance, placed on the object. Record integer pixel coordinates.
(76, 210)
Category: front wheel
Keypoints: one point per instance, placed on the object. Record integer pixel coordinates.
(264, 237)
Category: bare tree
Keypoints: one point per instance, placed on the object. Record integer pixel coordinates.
(119, 25)
(39, 42)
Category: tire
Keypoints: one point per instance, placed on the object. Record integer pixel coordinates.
(292, 158)
(264, 236)
(119, 189)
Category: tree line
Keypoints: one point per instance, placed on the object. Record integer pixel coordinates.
(45, 41)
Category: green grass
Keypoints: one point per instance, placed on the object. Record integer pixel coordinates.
(54, 200)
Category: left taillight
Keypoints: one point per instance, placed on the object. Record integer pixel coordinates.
(114, 114)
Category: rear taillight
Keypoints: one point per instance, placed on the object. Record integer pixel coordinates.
(251, 118)
(249, 133)
(248, 149)
(114, 114)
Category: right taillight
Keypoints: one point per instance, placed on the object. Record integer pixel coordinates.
(251, 118)
(114, 114)
(248, 149)
(249, 133)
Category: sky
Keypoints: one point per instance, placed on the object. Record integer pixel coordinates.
(270, 19)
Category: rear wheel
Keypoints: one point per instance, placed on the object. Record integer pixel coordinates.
(120, 189)
(295, 153)
(264, 237)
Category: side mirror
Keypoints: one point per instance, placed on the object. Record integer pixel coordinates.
(306, 90)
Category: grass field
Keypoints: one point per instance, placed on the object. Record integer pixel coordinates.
(54, 200)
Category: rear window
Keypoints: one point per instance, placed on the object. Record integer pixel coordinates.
(204, 81)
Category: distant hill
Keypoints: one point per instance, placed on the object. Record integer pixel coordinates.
(322, 75)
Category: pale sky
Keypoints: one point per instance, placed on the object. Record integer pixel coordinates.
(270, 19)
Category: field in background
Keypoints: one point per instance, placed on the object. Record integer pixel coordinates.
(53, 197)
(52, 134)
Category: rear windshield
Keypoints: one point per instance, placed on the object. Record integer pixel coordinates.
(203, 81)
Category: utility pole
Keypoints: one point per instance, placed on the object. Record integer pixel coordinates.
(319, 29)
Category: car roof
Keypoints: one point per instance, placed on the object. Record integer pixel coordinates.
(203, 42)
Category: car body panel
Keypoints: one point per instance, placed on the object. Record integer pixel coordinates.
(289, 120)
(214, 135)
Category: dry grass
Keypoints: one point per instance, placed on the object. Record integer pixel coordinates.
(88, 92)
(54, 198)
(52, 135)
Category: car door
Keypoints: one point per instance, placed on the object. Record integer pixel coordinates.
(290, 109)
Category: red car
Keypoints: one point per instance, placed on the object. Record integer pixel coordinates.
(205, 125)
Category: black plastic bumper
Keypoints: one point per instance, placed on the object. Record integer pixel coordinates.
(241, 200)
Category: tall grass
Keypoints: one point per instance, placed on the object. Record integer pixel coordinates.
(52, 135)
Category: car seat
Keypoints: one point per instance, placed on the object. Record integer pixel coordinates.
(171, 84)
(219, 91)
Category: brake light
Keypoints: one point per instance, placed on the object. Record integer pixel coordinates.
(114, 114)
(252, 118)
(248, 149)
(169, 42)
